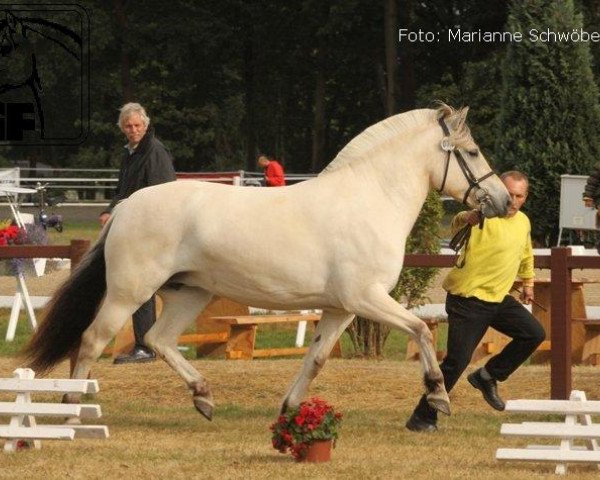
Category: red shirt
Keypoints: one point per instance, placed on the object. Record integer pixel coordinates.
(274, 174)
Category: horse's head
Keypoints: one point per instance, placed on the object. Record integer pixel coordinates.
(463, 171)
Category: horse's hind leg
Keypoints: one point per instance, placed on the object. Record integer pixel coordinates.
(377, 305)
(110, 318)
(329, 329)
(180, 307)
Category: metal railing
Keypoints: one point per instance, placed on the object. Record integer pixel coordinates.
(97, 186)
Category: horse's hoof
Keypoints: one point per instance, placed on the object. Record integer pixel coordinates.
(440, 404)
(204, 406)
(73, 421)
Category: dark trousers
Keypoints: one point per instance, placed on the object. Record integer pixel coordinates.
(468, 320)
(143, 319)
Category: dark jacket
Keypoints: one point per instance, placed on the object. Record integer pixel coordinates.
(150, 164)
(592, 186)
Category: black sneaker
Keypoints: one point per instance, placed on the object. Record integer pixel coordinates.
(418, 424)
(488, 388)
(137, 355)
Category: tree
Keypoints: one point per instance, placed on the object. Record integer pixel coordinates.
(550, 116)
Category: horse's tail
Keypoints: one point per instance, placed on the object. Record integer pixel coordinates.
(70, 312)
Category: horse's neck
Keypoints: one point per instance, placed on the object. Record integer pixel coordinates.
(402, 176)
(389, 200)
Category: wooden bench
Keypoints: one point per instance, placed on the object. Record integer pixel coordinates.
(125, 340)
(590, 354)
(242, 337)
(210, 337)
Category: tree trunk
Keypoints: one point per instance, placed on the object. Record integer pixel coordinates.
(368, 337)
(406, 94)
(391, 54)
(126, 83)
(250, 98)
(318, 140)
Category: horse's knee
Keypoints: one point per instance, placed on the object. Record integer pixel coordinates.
(320, 360)
(423, 333)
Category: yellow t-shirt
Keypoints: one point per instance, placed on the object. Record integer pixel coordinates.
(495, 256)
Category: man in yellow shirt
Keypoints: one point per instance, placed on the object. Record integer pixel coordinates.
(478, 298)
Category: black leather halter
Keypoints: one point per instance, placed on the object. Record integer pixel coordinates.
(462, 163)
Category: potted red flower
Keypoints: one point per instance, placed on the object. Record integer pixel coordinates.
(308, 431)
(9, 235)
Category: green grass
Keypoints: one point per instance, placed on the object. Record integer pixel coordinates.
(81, 230)
(11, 349)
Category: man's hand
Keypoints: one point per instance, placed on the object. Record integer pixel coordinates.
(104, 218)
(473, 217)
(527, 295)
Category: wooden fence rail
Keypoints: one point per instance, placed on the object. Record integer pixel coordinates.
(74, 251)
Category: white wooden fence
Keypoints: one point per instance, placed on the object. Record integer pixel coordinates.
(23, 427)
(577, 425)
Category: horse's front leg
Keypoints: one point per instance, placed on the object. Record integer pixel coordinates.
(377, 305)
(329, 329)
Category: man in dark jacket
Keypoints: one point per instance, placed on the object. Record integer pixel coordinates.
(591, 193)
(146, 162)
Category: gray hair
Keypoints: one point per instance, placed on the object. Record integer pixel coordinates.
(516, 175)
(129, 109)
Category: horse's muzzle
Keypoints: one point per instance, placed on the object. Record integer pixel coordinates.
(490, 207)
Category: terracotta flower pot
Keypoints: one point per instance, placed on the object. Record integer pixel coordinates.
(319, 451)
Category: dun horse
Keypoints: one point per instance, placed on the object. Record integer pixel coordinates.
(335, 242)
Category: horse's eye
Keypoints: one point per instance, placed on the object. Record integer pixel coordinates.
(473, 152)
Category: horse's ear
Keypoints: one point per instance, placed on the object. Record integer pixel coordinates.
(459, 119)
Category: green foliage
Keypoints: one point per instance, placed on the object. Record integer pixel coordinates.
(224, 79)
(424, 238)
(550, 115)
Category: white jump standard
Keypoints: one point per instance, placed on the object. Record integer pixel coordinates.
(577, 425)
(23, 425)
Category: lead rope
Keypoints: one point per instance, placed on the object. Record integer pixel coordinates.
(460, 241)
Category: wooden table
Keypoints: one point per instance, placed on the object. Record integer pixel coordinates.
(541, 291)
(242, 337)
(210, 338)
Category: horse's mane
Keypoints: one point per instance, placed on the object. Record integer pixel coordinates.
(375, 135)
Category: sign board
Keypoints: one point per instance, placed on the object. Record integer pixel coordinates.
(9, 177)
(573, 213)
